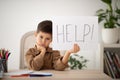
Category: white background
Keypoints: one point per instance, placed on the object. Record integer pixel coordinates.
(20, 16)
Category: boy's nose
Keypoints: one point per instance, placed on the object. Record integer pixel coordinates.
(43, 41)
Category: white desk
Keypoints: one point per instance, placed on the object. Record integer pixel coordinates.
(67, 75)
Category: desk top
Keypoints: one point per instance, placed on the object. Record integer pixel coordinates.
(67, 75)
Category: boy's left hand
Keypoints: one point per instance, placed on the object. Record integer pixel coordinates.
(75, 49)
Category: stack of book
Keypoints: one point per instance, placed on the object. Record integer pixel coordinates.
(112, 64)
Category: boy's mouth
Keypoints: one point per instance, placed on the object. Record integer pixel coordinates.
(41, 45)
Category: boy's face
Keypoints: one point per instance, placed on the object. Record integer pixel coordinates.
(43, 39)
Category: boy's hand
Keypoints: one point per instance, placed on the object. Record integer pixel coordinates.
(41, 48)
(75, 49)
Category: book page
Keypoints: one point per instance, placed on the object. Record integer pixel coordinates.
(18, 72)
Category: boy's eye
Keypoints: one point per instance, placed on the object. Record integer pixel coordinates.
(47, 38)
(41, 37)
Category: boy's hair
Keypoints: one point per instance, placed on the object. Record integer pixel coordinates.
(45, 26)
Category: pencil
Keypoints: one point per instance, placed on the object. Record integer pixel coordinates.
(1, 52)
(22, 75)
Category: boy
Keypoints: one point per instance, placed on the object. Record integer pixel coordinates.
(42, 56)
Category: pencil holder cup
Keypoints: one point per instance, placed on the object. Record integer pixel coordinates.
(3, 65)
(1, 70)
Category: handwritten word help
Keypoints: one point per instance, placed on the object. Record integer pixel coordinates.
(71, 33)
(70, 30)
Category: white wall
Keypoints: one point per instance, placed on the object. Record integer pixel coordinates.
(20, 16)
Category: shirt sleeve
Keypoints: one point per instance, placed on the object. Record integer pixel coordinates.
(34, 62)
(57, 61)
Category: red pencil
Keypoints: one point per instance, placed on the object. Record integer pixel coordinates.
(22, 75)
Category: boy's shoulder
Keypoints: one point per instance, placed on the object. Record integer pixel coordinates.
(33, 49)
(55, 52)
(51, 50)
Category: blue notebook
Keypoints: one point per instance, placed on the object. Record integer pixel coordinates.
(39, 74)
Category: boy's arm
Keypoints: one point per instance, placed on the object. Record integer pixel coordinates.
(60, 63)
(75, 49)
(57, 61)
(34, 62)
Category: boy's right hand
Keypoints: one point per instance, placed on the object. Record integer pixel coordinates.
(41, 48)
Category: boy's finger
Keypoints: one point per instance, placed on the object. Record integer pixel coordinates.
(77, 48)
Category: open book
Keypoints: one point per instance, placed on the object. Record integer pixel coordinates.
(27, 73)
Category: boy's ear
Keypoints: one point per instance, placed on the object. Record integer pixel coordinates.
(35, 33)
